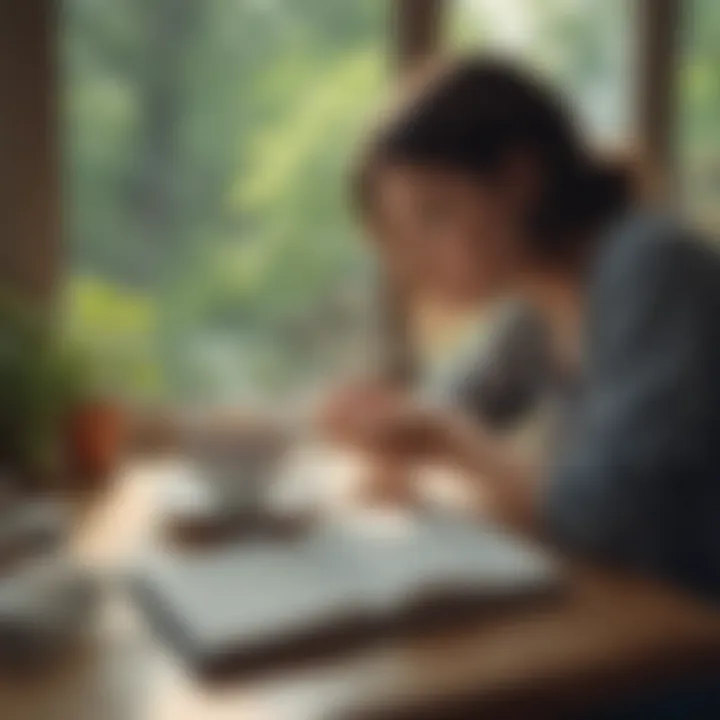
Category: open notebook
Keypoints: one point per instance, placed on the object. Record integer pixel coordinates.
(246, 604)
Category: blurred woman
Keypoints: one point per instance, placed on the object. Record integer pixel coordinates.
(485, 172)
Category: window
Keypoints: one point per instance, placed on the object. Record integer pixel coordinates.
(585, 46)
(698, 142)
(211, 257)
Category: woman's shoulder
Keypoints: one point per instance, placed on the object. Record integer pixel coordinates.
(646, 250)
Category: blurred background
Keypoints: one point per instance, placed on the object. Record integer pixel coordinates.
(209, 247)
(206, 149)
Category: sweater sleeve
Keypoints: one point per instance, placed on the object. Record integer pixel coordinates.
(644, 416)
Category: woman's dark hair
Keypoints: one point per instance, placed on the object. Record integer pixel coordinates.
(472, 117)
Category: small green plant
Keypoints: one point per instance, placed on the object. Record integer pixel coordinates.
(41, 380)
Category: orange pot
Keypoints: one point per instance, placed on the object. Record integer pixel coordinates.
(95, 439)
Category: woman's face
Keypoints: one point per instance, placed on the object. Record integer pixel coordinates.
(445, 236)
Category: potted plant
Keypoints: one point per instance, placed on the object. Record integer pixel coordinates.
(93, 423)
(38, 384)
(56, 418)
(108, 331)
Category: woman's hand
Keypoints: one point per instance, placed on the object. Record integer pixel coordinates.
(381, 419)
(389, 423)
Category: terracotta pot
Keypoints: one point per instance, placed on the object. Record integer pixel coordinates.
(95, 439)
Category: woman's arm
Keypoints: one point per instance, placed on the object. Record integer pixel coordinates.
(510, 479)
(474, 405)
(393, 425)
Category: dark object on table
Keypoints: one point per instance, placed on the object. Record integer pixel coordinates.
(31, 525)
(45, 609)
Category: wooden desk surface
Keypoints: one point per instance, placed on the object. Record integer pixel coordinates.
(607, 634)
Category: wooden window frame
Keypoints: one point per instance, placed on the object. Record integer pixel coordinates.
(658, 38)
(30, 221)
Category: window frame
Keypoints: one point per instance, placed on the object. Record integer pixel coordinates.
(30, 219)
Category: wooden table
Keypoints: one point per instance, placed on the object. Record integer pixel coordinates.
(608, 634)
